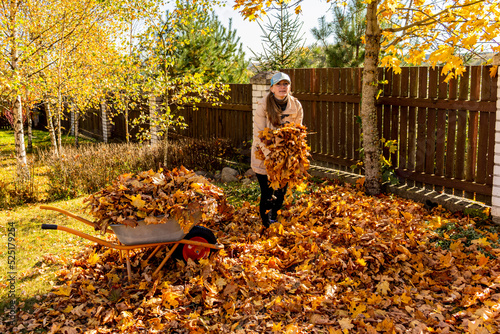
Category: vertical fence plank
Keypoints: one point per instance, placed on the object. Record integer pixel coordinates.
(441, 127)
(349, 115)
(491, 140)
(336, 113)
(357, 126)
(395, 117)
(430, 147)
(451, 135)
(380, 108)
(343, 121)
(472, 133)
(331, 114)
(403, 123)
(412, 122)
(463, 94)
(386, 111)
(484, 143)
(323, 107)
(422, 121)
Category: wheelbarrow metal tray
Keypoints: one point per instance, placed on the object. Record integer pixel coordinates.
(148, 234)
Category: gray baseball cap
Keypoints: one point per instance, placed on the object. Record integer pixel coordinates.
(280, 76)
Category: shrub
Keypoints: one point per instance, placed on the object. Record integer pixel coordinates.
(91, 167)
(14, 193)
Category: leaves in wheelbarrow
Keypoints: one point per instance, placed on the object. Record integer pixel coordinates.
(155, 197)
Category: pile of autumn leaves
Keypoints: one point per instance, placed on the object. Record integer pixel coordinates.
(157, 197)
(337, 261)
(287, 160)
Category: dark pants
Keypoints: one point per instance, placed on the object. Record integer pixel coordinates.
(270, 200)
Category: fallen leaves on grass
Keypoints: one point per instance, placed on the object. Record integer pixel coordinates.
(337, 261)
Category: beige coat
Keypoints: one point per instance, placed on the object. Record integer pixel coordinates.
(292, 114)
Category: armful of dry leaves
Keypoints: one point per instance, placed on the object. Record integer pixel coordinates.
(288, 160)
(156, 197)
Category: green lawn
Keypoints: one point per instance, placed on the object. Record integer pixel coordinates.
(38, 253)
(41, 140)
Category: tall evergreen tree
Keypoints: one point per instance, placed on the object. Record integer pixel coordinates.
(282, 40)
(217, 52)
(348, 27)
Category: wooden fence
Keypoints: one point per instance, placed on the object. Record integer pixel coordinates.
(4, 123)
(231, 120)
(444, 131)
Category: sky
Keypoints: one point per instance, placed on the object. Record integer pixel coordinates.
(250, 32)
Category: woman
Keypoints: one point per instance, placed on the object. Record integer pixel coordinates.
(279, 107)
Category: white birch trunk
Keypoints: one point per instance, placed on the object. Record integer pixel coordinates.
(22, 169)
(50, 126)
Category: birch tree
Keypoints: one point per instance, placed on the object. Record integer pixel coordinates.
(413, 31)
(159, 43)
(31, 33)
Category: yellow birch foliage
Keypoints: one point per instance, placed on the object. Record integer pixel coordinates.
(432, 32)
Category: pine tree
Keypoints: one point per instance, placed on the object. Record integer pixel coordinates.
(216, 52)
(347, 28)
(282, 41)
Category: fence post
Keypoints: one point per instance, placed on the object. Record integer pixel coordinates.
(495, 197)
(106, 124)
(72, 120)
(154, 109)
(260, 86)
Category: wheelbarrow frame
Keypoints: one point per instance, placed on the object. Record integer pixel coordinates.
(122, 247)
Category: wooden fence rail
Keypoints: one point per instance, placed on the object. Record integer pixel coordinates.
(231, 120)
(445, 131)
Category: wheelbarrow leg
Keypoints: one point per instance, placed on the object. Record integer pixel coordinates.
(128, 266)
(153, 253)
(167, 256)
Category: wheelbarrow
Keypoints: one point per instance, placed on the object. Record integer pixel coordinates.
(197, 244)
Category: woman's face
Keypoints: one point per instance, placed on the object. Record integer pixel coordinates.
(281, 89)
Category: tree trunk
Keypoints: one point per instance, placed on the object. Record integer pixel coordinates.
(165, 146)
(22, 169)
(127, 133)
(371, 142)
(77, 118)
(50, 126)
(58, 119)
(30, 131)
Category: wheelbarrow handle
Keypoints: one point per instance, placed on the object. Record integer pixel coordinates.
(67, 213)
(49, 227)
(72, 215)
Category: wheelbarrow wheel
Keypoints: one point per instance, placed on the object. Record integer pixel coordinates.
(197, 233)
